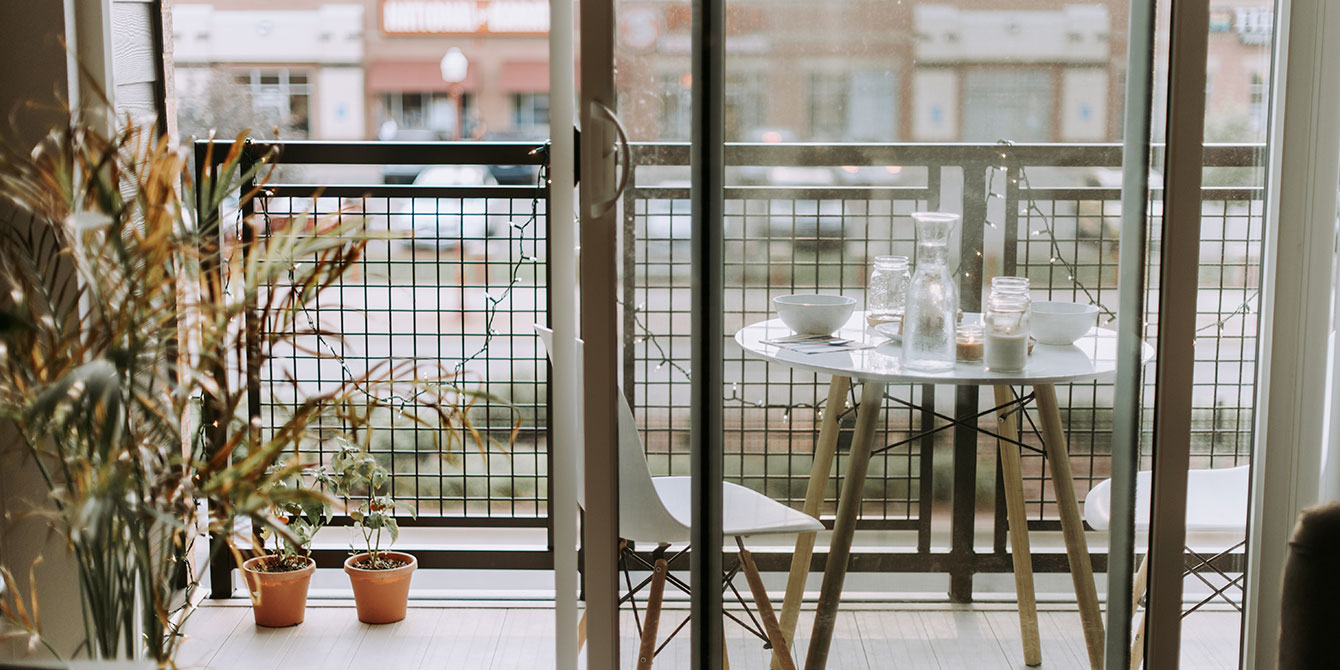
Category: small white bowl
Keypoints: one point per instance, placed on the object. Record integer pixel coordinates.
(1061, 323)
(814, 314)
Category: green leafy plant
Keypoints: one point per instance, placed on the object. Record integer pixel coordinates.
(302, 515)
(356, 474)
(132, 324)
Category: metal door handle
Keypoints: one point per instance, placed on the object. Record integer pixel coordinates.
(599, 209)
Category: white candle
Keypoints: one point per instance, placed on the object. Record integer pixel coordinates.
(1006, 352)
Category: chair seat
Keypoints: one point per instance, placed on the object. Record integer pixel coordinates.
(1216, 507)
(744, 511)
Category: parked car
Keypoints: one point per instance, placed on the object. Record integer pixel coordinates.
(450, 222)
(518, 175)
(406, 174)
(514, 175)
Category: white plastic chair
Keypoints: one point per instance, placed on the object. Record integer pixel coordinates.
(657, 510)
(1216, 525)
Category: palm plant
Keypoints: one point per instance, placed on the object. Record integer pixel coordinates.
(125, 359)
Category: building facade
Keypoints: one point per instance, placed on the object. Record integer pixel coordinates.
(849, 70)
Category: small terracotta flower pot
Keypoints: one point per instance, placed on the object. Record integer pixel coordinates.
(278, 599)
(381, 596)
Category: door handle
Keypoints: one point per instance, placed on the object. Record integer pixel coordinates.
(599, 109)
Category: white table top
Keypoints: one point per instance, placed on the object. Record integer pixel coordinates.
(1093, 356)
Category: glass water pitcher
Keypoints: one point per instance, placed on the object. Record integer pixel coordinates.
(931, 315)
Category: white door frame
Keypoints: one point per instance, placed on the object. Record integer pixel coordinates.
(563, 312)
(1296, 299)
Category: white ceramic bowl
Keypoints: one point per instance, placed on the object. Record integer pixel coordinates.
(1062, 323)
(814, 314)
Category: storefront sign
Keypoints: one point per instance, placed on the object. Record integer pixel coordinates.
(465, 17)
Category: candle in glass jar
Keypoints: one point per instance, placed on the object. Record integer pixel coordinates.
(1006, 352)
(969, 337)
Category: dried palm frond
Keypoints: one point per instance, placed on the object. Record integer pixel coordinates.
(124, 362)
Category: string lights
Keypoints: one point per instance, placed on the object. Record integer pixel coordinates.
(1033, 211)
(516, 232)
(1010, 161)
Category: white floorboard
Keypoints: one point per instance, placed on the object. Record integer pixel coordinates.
(944, 637)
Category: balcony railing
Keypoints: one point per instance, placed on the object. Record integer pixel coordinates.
(469, 278)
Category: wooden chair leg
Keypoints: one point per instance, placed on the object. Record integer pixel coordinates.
(1013, 479)
(1137, 593)
(1138, 645)
(581, 632)
(1138, 584)
(652, 619)
(781, 651)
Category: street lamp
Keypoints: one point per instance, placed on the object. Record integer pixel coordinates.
(455, 66)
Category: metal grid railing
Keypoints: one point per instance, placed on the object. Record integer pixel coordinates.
(1072, 232)
(452, 281)
(1039, 211)
(466, 278)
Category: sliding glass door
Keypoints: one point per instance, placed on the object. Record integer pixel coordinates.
(1054, 134)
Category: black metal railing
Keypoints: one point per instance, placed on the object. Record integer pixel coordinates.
(803, 218)
(468, 276)
(456, 274)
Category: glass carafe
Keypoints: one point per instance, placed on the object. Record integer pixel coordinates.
(886, 296)
(931, 314)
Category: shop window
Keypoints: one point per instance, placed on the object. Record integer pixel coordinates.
(433, 112)
(746, 105)
(530, 114)
(1015, 104)
(853, 106)
(279, 98)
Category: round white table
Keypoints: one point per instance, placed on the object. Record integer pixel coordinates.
(1093, 356)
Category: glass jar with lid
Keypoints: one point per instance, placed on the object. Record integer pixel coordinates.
(886, 295)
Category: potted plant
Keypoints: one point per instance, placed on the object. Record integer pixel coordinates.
(278, 580)
(119, 346)
(380, 577)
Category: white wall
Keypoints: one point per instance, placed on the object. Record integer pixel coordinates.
(203, 34)
(30, 35)
(1075, 34)
(339, 102)
(935, 105)
(1084, 95)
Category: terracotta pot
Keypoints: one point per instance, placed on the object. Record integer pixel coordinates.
(381, 596)
(278, 599)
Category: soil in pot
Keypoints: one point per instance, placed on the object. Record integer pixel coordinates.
(278, 589)
(381, 591)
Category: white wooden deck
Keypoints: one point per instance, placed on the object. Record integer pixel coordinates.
(976, 637)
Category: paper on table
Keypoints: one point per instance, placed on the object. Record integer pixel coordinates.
(817, 344)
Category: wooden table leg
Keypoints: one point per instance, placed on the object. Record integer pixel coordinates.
(820, 471)
(1072, 525)
(1012, 477)
(844, 528)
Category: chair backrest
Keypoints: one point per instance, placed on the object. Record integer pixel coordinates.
(642, 514)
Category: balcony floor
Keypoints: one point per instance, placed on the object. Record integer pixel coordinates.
(903, 635)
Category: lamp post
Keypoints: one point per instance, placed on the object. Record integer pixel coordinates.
(455, 66)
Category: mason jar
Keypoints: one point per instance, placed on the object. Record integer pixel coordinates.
(886, 295)
(1006, 329)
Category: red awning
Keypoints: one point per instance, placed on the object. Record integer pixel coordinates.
(413, 77)
(525, 76)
